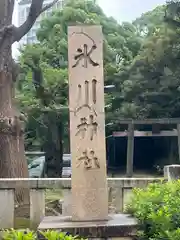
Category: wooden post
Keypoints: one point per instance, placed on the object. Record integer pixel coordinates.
(7, 208)
(37, 206)
(178, 134)
(130, 150)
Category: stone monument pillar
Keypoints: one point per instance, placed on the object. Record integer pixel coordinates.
(87, 123)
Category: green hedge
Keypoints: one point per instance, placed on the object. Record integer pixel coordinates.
(31, 235)
(158, 210)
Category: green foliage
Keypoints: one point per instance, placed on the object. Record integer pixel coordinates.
(156, 208)
(118, 39)
(18, 235)
(149, 86)
(150, 22)
(141, 59)
(30, 235)
(121, 45)
(56, 87)
(172, 13)
(51, 235)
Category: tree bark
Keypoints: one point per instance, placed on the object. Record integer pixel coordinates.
(53, 146)
(12, 155)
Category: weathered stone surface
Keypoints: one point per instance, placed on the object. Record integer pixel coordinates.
(7, 209)
(12, 183)
(172, 172)
(37, 206)
(50, 183)
(127, 194)
(118, 225)
(120, 185)
(65, 183)
(87, 123)
(67, 203)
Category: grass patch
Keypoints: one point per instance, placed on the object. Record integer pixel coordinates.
(21, 223)
(54, 194)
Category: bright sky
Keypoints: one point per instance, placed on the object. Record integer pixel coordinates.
(121, 10)
(124, 10)
(128, 10)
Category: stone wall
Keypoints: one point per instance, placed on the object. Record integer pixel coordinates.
(120, 190)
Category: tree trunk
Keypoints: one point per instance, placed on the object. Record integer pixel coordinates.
(53, 146)
(12, 155)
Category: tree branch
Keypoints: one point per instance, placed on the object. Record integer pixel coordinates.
(35, 10)
(48, 6)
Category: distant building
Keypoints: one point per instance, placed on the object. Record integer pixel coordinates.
(23, 10)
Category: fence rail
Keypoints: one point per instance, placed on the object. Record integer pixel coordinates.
(119, 192)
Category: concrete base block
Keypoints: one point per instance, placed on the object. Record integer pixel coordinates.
(119, 226)
(172, 172)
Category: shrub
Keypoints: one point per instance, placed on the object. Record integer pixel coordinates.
(18, 235)
(31, 235)
(55, 235)
(157, 210)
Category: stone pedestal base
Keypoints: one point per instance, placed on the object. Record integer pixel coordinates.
(172, 172)
(119, 226)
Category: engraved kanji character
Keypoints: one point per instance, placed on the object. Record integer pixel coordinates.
(94, 159)
(85, 103)
(82, 127)
(93, 127)
(90, 161)
(86, 56)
